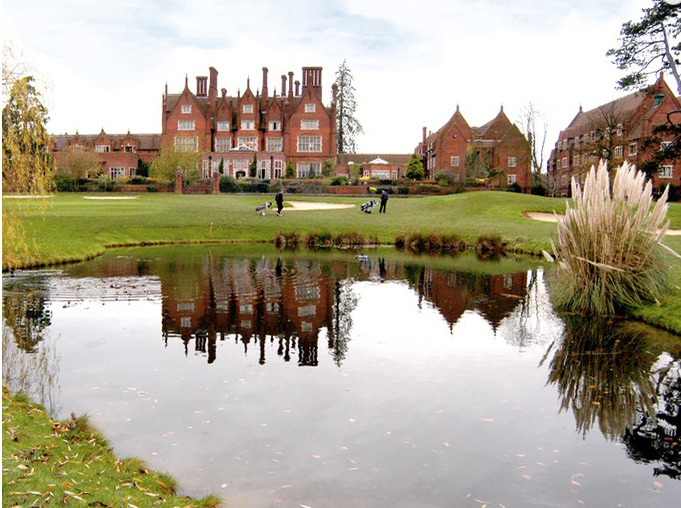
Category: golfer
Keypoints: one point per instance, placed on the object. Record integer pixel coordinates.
(279, 199)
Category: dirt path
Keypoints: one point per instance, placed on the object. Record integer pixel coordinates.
(549, 217)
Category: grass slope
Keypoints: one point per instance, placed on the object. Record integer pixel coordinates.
(46, 462)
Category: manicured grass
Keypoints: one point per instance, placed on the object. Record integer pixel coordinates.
(51, 463)
(70, 227)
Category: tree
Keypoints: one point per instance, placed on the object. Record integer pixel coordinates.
(75, 163)
(414, 168)
(290, 170)
(535, 127)
(476, 166)
(142, 168)
(347, 126)
(167, 162)
(649, 46)
(26, 164)
(253, 167)
(328, 169)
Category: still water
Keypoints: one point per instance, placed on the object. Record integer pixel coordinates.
(302, 380)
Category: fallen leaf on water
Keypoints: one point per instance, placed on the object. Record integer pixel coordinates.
(658, 484)
(445, 444)
(487, 419)
(573, 482)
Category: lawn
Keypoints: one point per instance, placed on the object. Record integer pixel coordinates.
(68, 227)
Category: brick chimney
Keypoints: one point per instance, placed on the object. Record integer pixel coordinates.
(312, 77)
(290, 84)
(264, 83)
(297, 88)
(201, 86)
(283, 85)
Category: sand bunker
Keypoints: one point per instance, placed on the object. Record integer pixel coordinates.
(549, 217)
(110, 197)
(310, 205)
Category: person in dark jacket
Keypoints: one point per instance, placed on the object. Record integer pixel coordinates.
(279, 199)
(384, 201)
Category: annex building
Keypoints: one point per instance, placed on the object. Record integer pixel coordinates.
(616, 131)
(496, 150)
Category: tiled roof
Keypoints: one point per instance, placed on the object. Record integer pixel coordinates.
(146, 141)
(366, 158)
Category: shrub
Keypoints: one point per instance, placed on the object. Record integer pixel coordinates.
(152, 188)
(289, 240)
(105, 184)
(609, 244)
(138, 180)
(351, 239)
(490, 245)
(514, 187)
(538, 190)
(229, 184)
(316, 240)
(403, 190)
(339, 180)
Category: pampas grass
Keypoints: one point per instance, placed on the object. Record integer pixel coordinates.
(608, 247)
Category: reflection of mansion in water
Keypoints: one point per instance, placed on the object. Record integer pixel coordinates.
(294, 304)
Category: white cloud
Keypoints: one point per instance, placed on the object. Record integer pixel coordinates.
(413, 62)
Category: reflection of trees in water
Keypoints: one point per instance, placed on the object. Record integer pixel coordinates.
(26, 314)
(612, 374)
(344, 302)
(655, 439)
(602, 375)
(35, 373)
(29, 363)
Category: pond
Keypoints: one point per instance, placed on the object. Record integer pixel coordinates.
(324, 380)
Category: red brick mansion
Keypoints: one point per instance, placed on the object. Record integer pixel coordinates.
(616, 131)
(496, 148)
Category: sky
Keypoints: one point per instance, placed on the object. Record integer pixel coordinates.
(105, 64)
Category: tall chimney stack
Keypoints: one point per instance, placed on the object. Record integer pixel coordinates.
(290, 84)
(264, 83)
(297, 88)
(283, 85)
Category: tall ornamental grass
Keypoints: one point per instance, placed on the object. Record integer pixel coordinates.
(609, 244)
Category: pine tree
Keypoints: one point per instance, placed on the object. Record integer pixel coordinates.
(650, 46)
(415, 168)
(347, 126)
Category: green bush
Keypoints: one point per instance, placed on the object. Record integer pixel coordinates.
(138, 180)
(105, 184)
(403, 190)
(514, 187)
(229, 184)
(339, 180)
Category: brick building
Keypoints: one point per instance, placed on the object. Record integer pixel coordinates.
(373, 165)
(119, 154)
(496, 148)
(231, 132)
(615, 131)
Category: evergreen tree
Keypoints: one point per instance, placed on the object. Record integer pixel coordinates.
(415, 168)
(347, 126)
(650, 46)
(253, 168)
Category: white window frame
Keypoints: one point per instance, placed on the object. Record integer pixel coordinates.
(247, 125)
(186, 109)
(223, 126)
(129, 148)
(102, 148)
(308, 169)
(223, 144)
(511, 179)
(455, 161)
(186, 125)
(666, 171)
(274, 144)
(664, 145)
(309, 144)
(309, 125)
(633, 149)
(117, 173)
(310, 107)
(278, 170)
(186, 143)
(512, 162)
(247, 108)
(249, 141)
(619, 151)
(274, 125)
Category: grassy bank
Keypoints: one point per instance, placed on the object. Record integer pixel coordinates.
(46, 462)
(70, 227)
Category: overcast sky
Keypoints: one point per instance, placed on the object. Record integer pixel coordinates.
(106, 63)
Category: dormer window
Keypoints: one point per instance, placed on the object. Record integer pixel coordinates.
(223, 126)
(102, 148)
(658, 98)
(186, 109)
(129, 148)
(310, 107)
(247, 108)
